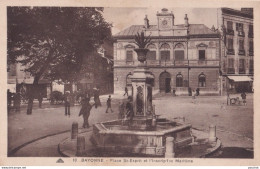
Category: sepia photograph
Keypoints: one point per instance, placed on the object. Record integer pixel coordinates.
(130, 85)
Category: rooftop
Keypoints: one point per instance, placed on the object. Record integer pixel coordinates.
(193, 29)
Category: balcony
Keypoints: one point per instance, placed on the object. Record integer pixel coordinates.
(251, 53)
(169, 63)
(241, 52)
(230, 32)
(230, 52)
(181, 63)
(203, 62)
(242, 71)
(230, 71)
(241, 33)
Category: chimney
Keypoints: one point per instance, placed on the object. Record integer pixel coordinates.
(146, 22)
(186, 19)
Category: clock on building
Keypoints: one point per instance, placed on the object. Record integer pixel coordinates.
(165, 22)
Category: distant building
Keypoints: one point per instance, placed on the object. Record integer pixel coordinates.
(19, 80)
(237, 49)
(101, 74)
(181, 56)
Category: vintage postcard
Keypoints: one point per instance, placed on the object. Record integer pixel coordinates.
(121, 83)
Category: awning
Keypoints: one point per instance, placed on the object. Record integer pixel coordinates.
(240, 78)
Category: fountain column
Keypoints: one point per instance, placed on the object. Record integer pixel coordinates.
(142, 82)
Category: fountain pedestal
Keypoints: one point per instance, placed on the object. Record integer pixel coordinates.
(142, 82)
(143, 134)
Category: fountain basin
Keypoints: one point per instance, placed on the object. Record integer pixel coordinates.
(140, 137)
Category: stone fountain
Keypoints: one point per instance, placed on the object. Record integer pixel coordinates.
(146, 134)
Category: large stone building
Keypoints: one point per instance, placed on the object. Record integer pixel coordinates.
(237, 49)
(181, 55)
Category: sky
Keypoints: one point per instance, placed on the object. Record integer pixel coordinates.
(122, 18)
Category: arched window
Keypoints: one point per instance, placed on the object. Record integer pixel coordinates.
(128, 79)
(165, 52)
(151, 55)
(179, 80)
(202, 80)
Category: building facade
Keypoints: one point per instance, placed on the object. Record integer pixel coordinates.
(180, 56)
(20, 81)
(237, 49)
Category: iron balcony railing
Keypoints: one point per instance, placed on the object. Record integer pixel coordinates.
(230, 52)
(229, 31)
(230, 70)
(251, 53)
(171, 63)
(241, 52)
(242, 71)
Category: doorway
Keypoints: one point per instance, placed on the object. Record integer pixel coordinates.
(167, 85)
(165, 82)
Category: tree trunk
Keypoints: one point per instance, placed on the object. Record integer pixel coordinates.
(37, 77)
(31, 94)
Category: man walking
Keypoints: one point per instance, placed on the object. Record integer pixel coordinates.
(126, 91)
(243, 95)
(40, 97)
(85, 111)
(96, 98)
(109, 104)
(67, 100)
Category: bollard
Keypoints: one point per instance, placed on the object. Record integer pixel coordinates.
(169, 153)
(74, 130)
(80, 146)
(212, 133)
(153, 109)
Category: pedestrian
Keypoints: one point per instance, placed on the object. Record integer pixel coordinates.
(96, 98)
(85, 111)
(197, 91)
(67, 101)
(9, 97)
(243, 95)
(193, 94)
(129, 109)
(173, 92)
(17, 101)
(40, 97)
(109, 104)
(190, 91)
(126, 91)
(121, 109)
(228, 99)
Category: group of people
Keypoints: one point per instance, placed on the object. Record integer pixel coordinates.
(86, 106)
(13, 100)
(236, 100)
(193, 92)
